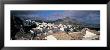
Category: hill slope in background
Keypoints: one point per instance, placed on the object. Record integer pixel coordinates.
(71, 21)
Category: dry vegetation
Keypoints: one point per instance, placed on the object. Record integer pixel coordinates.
(62, 36)
(71, 36)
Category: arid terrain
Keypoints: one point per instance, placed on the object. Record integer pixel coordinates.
(55, 25)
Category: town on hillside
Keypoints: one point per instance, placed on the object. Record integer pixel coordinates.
(32, 30)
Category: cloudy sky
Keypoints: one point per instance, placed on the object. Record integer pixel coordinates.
(88, 16)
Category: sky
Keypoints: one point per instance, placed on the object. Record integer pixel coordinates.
(88, 16)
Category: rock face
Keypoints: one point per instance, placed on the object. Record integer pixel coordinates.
(62, 36)
(91, 35)
(23, 36)
(50, 37)
(76, 35)
(96, 37)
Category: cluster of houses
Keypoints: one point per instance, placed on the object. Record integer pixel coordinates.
(51, 27)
